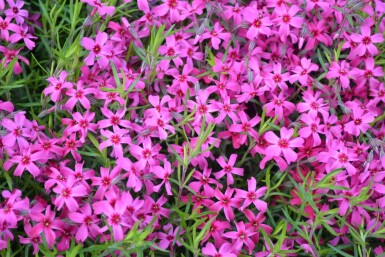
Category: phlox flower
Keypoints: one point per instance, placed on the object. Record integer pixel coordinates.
(226, 250)
(252, 195)
(286, 18)
(163, 173)
(313, 128)
(57, 86)
(340, 71)
(360, 122)
(283, 146)
(257, 24)
(78, 95)
(67, 193)
(225, 202)
(87, 223)
(96, 47)
(18, 132)
(215, 36)
(115, 214)
(6, 106)
(15, 11)
(11, 54)
(25, 161)
(302, 71)
(241, 237)
(115, 139)
(365, 41)
(46, 223)
(228, 169)
(101, 8)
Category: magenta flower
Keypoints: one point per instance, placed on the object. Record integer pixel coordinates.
(286, 19)
(115, 215)
(133, 170)
(67, 194)
(338, 156)
(302, 71)
(256, 23)
(11, 54)
(88, 223)
(163, 173)
(83, 124)
(114, 120)
(16, 12)
(115, 139)
(21, 32)
(241, 237)
(359, 123)
(246, 127)
(56, 86)
(25, 161)
(100, 7)
(78, 95)
(283, 145)
(225, 202)
(147, 153)
(365, 41)
(46, 224)
(252, 195)
(277, 78)
(342, 72)
(6, 106)
(105, 180)
(95, 46)
(226, 250)
(204, 181)
(5, 26)
(312, 129)
(228, 169)
(167, 239)
(216, 35)
(17, 131)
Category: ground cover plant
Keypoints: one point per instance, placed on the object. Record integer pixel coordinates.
(192, 128)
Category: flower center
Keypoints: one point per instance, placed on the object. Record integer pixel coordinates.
(96, 49)
(366, 40)
(283, 143)
(286, 18)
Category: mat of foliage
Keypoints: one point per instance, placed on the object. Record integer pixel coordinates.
(192, 128)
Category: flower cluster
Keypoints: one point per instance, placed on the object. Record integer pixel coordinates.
(238, 113)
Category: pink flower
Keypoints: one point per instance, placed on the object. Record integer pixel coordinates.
(87, 222)
(46, 224)
(283, 145)
(106, 179)
(216, 35)
(286, 18)
(256, 23)
(67, 192)
(225, 202)
(6, 106)
(224, 251)
(302, 72)
(228, 169)
(341, 72)
(16, 12)
(359, 123)
(17, 131)
(115, 214)
(100, 7)
(163, 173)
(365, 41)
(95, 46)
(115, 139)
(25, 161)
(21, 32)
(252, 195)
(56, 86)
(312, 129)
(241, 237)
(78, 95)
(11, 54)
